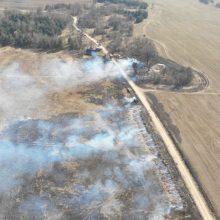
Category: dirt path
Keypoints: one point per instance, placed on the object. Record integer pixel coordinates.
(183, 169)
(190, 30)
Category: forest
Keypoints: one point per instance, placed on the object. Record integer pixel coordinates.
(31, 30)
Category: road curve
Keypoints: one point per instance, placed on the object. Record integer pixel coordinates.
(173, 151)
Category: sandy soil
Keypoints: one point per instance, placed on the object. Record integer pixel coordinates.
(188, 32)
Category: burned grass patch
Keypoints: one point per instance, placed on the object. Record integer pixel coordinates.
(78, 171)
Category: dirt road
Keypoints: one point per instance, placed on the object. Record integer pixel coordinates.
(184, 171)
(190, 32)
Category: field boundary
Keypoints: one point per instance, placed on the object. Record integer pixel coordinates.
(159, 111)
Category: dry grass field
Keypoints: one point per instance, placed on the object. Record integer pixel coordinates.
(73, 147)
(185, 31)
(188, 32)
(33, 3)
(53, 102)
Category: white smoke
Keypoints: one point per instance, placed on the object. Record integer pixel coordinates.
(64, 74)
(21, 93)
(18, 91)
(125, 165)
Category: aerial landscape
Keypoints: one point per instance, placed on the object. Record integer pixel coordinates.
(109, 109)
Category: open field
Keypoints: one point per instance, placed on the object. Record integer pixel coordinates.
(73, 147)
(53, 102)
(34, 3)
(65, 110)
(188, 32)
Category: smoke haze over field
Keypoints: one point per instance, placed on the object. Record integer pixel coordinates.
(71, 166)
(21, 92)
(76, 73)
(40, 151)
(30, 146)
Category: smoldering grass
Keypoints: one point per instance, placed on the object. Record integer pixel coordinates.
(108, 136)
(23, 156)
(22, 92)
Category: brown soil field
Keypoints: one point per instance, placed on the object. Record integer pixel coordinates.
(188, 32)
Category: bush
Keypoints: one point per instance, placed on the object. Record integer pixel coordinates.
(100, 29)
(204, 1)
(173, 74)
(142, 49)
(137, 16)
(170, 73)
(116, 42)
(75, 42)
(74, 9)
(89, 19)
(120, 24)
(182, 77)
(129, 3)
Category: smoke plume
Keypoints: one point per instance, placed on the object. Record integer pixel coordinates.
(75, 167)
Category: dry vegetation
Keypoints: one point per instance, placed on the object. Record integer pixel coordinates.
(48, 188)
(155, 70)
(29, 4)
(31, 30)
(82, 147)
(51, 29)
(53, 102)
(191, 37)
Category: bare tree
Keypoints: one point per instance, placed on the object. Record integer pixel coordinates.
(142, 49)
(116, 42)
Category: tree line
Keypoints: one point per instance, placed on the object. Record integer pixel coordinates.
(128, 3)
(73, 9)
(31, 30)
(172, 74)
(137, 15)
(204, 1)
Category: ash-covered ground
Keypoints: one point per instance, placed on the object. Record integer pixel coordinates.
(102, 163)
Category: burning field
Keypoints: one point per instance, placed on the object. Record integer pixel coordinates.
(74, 145)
